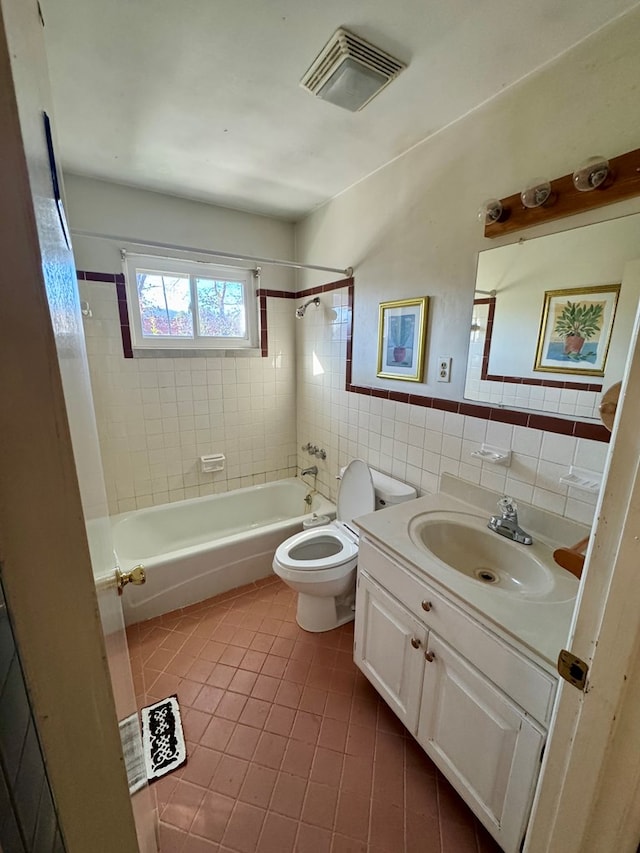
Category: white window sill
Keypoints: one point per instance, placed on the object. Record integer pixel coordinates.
(245, 352)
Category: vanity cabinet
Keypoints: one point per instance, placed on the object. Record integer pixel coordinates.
(482, 742)
(477, 706)
(390, 645)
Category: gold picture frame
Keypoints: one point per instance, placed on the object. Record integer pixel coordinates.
(575, 330)
(402, 326)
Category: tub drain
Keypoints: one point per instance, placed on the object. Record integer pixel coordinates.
(486, 575)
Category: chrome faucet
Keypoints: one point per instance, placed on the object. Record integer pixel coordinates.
(507, 523)
(313, 470)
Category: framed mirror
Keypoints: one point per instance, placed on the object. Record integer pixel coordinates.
(553, 318)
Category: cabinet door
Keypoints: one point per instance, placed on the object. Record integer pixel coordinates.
(482, 742)
(389, 649)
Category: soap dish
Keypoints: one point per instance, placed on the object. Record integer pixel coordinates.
(212, 462)
(581, 478)
(495, 455)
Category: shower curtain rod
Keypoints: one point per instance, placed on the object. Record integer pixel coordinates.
(348, 272)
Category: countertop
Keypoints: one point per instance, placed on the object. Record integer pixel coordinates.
(541, 626)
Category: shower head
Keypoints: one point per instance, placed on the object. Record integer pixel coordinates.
(301, 309)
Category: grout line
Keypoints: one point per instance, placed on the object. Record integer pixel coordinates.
(301, 651)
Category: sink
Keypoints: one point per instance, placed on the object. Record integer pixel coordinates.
(463, 543)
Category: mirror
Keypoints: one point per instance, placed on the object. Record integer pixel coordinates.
(516, 284)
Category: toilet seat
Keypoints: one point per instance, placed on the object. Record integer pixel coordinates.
(333, 548)
(332, 565)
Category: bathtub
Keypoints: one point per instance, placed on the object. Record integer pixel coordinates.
(197, 548)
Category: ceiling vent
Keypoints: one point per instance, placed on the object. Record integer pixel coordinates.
(349, 71)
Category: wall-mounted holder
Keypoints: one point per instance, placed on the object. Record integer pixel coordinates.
(212, 462)
(583, 479)
(567, 197)
(495, 455)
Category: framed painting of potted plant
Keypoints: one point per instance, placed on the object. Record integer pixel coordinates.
(401, 334)
(575, 330)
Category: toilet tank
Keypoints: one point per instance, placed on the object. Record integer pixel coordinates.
(387, 490)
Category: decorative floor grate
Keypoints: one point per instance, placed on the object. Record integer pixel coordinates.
(162, 738)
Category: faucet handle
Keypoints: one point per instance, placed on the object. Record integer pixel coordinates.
(508, 506)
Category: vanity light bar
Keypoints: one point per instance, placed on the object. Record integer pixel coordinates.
(566, 198)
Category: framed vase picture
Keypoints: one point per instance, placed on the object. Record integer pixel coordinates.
(402, 328)
(575, 330)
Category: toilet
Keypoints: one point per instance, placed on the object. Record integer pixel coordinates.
(320, 563)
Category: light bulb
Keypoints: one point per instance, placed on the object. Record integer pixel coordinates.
(491, 210)
(536, 192)
(591, 174)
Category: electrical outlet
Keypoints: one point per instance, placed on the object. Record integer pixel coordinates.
(444, 368)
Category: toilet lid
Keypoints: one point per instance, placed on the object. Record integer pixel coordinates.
(356, 495)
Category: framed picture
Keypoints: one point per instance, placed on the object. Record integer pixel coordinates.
(401, 332)
(575, 330)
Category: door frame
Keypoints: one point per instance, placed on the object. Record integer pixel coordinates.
(44, 553)
(47, 573)
(587, 799)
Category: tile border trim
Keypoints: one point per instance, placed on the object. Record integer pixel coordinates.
(495, 414)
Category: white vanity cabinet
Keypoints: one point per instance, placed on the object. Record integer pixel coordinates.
(478, 706)
(390, 646)
(482, 742)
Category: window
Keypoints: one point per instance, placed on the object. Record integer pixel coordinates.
(175, 304)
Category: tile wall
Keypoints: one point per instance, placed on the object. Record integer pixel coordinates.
(321, 345)
(417, 444)
(157, 416)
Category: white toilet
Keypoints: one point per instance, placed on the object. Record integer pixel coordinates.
(320, 563)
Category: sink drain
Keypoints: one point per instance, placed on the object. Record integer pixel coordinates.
(486, 575)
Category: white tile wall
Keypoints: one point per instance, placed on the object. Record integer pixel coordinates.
(157, 416)
(416, 444)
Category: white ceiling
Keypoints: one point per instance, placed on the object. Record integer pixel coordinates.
(201, 98)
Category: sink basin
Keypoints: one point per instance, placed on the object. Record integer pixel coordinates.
(463, 542)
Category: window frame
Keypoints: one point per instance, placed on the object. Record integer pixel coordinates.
(192, 269)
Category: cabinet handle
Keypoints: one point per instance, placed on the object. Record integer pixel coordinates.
(415, 643)
(429, 656)
(426, 605)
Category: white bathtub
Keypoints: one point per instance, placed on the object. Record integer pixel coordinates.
(201, 547)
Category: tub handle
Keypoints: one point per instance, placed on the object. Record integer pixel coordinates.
(136, 576)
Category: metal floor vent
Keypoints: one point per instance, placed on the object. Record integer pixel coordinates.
(350, 71)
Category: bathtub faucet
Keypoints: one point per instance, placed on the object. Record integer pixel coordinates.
(313, 470)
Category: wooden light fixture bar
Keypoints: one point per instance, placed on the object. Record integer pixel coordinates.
(623, 181)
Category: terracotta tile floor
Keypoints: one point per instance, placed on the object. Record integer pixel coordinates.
(290, 748)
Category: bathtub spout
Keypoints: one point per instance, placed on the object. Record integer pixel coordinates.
(313, 470)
